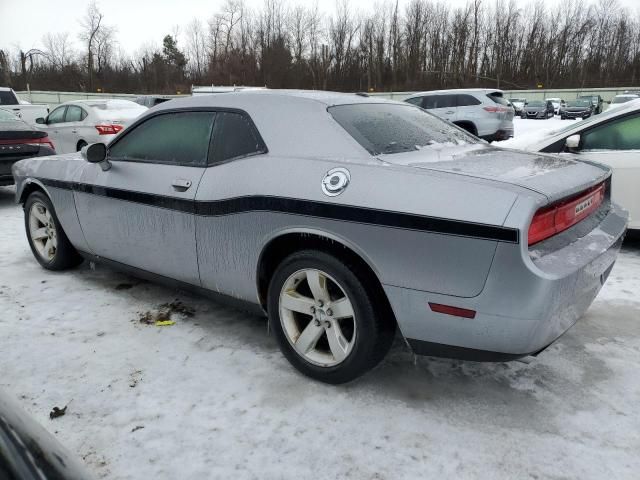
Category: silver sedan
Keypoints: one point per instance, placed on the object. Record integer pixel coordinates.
(342, 217)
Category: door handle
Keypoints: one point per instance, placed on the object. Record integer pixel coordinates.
(74, 131)
(450, 112)
(180, 184)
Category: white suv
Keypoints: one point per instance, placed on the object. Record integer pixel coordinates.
(483, 112)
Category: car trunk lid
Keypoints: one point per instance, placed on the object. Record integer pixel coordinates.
(555, 177)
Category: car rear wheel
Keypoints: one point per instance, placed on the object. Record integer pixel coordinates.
(326, 322)
(47, 240)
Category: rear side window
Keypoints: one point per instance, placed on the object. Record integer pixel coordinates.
(180, 138)
(7, 98)
(391, 128)
(439, 101)
(465, 100)
(417, 101)
(74, 114)
(498, 98)
(234, 136)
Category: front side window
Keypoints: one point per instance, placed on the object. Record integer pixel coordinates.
(391, 128)
(74, 114)
(417, 101)
(621, 134)
(234, 136)
(57, 116)
(180, 138)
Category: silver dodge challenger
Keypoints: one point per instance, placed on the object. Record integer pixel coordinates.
(343, 218)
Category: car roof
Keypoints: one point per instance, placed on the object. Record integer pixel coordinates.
(292, 123)
(457, 90)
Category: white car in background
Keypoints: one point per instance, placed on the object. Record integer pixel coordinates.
(557, 103)
(73, 125)
(622, 98)
(612, 138)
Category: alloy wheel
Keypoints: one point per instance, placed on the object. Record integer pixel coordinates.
(42, 230)
(317, 317)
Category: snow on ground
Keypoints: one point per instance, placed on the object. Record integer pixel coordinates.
(530, 127)
(212, 397)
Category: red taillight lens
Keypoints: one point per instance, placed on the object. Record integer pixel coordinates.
(496, 109)
(551, 220)
(29, 141)
(108, 129)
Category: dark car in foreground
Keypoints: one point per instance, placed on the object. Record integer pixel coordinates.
(29, 452)
(341, 217)
(538, 109)
(19, 140)
(579, 108)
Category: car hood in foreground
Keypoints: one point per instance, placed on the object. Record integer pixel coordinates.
(553, 176)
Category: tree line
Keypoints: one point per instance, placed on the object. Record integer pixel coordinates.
(421, 45)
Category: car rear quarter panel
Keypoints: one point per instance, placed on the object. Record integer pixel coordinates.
(229, 245)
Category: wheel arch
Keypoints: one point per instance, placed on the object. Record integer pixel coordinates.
(81, 140)
(284, 243)
(467, 123)
(30, 186)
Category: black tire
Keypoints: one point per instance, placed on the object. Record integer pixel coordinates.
(81, 145)
(65, 256)
(374, 326)
(469, 127)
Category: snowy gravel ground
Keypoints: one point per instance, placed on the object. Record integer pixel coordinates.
(212, 397)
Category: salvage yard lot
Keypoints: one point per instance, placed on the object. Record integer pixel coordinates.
(212, 397)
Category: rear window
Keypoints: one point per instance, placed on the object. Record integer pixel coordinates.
(7, 98)
(498, 98)
(389, 128)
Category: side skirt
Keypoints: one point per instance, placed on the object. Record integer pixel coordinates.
(420, 347)
(220, 298)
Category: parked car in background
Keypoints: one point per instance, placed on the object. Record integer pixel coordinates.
(484, 113)
(517, 104)
(596, 101)
(266, 197)
(557, 103)
(19, 140)
(22, 109)
(29, 452)
(538, 109)
(623, 98)
(576, 109)
(612, 139)
(151, 100)
(73, 125)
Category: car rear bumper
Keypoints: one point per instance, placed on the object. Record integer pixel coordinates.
(527, 303)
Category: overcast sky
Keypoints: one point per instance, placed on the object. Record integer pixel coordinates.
(138, 22)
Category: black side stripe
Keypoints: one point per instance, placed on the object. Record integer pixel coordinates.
(310, 208)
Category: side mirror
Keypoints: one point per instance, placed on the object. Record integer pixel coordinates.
(40, 120)
(96, 153)
(572, 142)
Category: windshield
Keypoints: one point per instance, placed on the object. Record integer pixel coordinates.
(578, 103)
(390, 128)
(7, 116)
(536, 103)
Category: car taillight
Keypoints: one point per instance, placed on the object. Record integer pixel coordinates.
(496, 109)
(549, 221)
(108, 129)
(29, 141)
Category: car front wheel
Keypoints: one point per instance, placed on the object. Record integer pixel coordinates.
(47, 240)
(328, 325)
